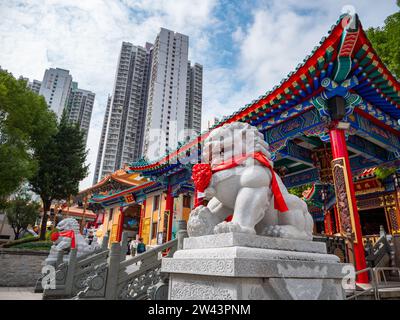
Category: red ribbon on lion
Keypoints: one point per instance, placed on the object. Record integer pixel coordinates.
(68, 234)
(202, 173)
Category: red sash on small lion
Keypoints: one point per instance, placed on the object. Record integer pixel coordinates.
(67, 233)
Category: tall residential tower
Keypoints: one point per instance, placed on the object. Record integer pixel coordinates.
(102, 141)
(125, 126)
(55, 88)
(165, 118)
(79, 108)
(35, 86)
(157, 95)
(194, 98)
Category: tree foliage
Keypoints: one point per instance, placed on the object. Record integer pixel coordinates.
(61, 166)
(383, 172)
(21, 212)
(386, 41)
(298, 191)
(26, 123)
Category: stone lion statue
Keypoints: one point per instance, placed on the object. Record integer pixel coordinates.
(245, 194)
(68, 237)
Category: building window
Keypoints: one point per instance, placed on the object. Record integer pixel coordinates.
(156, 202)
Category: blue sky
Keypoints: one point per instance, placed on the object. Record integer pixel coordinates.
(245, 46)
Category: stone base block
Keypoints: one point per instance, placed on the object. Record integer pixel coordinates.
(194, 287)
(240, 266)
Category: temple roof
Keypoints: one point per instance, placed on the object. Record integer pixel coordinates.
(118, 180)
(366, 174)
(345, 53)
(121, 196)
(79, 213)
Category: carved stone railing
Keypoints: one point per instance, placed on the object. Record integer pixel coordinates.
(71, 274)
(334, 245)
(138, 278)
(379, 254)
(370, 240)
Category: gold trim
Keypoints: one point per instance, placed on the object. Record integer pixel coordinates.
(343, 167)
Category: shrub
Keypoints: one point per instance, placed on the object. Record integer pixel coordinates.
(37, 245)
(13, 243)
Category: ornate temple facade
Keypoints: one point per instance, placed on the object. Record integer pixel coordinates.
(333, 128)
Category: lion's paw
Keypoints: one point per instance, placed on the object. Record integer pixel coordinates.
(227, 227)
(285, 231)
(275, 231)
(201, 222)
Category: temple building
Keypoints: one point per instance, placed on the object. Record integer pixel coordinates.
(333, 130)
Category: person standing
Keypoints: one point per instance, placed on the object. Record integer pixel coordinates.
(141, 247)
(133, 246)
(90, 237)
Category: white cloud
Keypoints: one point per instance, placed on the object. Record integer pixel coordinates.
(85, 37)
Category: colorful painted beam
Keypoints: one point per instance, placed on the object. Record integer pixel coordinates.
(346, 43)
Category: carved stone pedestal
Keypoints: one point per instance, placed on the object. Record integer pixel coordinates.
(241, 266)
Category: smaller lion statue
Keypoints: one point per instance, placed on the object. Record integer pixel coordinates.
(245, 194)
(67, 237)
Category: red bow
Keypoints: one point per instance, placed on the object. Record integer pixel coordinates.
(202, 173)
(68, 234)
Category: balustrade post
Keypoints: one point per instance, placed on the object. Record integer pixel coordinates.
(104, 243)
(70, 272)
(124, 245)
(114, 261)
(60, 258)
(181, 235)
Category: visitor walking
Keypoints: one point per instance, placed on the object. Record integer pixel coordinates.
(90, 237)
(133, 245)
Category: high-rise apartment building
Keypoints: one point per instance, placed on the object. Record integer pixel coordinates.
(126, 120)
(35, 85)
(79, 108)
(157, 95)
(55, 88)
(102, 141)
(165, 117)
(194, 98)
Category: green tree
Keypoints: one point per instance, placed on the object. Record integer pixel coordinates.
(26, 123)
(298, 191)
(61, 167)
(21, 212)
(386, 41)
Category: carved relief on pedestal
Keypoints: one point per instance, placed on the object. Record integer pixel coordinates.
(343, 197)
(199, 290)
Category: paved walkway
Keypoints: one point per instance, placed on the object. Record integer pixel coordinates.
(19, 293)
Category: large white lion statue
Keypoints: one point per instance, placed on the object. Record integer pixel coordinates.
(237, 177)
(68, 237)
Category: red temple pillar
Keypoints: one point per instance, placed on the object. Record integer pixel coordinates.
(120, 224)
(345, 197)
(103, 217)
(169, 206)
